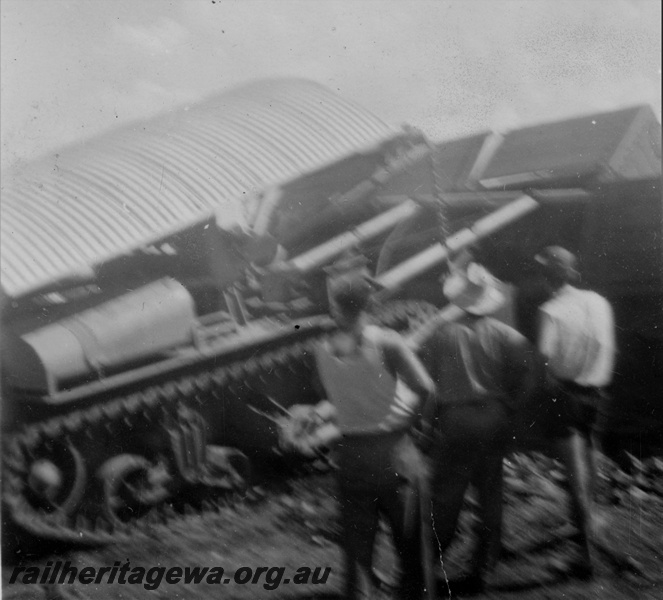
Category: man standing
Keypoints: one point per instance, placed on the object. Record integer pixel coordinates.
(576, 336)
(484, 371)
(359, 367)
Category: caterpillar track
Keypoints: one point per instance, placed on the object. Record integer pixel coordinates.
(92, 475)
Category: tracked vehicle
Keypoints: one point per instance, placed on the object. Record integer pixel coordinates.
(134, 378)
(117, 412)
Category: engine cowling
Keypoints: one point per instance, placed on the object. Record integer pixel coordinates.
(131, 328)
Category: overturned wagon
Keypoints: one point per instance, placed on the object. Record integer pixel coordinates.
(134, 376)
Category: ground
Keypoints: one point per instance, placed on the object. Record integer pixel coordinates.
(293, 524)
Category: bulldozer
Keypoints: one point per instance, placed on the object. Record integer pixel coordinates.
(138, 377)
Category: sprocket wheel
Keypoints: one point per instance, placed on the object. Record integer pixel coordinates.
(132, 485)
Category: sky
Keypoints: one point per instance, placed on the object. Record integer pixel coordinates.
(70, 69)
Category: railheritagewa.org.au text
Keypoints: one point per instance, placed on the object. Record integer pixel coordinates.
(151, 577)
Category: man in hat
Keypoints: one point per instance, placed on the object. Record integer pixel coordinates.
(359, 367)
(576, 337)
(484, 370)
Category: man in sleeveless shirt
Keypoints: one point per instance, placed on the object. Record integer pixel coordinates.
(484, 371)
(359, 367)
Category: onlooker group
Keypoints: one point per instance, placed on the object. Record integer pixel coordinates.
(473, 376)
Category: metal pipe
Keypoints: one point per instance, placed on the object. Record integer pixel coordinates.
(392, 280)
(323, 253)
(487, 199)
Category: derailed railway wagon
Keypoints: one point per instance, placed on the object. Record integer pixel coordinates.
(143, 328)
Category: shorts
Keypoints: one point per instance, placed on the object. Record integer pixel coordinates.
(557, 410)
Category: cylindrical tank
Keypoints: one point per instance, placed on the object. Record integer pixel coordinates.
(131, 328)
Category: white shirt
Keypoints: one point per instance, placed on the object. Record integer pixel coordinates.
(577, 336)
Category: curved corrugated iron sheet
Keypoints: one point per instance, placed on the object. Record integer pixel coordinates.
(90, 201)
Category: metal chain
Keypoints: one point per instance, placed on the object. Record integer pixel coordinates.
(442, 220)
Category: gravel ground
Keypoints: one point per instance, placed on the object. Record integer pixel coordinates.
(292, 524)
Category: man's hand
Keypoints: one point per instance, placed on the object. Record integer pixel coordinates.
(309, 429)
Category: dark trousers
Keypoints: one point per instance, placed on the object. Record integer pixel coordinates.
(373, 484)
(470, 448)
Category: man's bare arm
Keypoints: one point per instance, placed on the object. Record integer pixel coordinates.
(403, 363)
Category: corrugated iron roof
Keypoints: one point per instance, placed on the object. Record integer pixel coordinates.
(91, 200)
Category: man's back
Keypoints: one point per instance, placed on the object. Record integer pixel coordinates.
(358, 383)
(477, 357)
(577, 336)
(362, 381)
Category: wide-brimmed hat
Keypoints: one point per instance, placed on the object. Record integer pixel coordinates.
(474, 290)
(559, 263)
